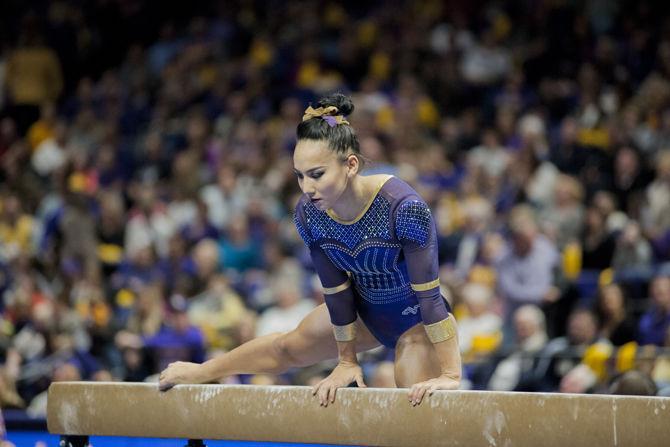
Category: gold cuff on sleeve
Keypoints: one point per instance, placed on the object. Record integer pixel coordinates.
(442, 330)
(333, 290)
(345, 333)
(426, 285)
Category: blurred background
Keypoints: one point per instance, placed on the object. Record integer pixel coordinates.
(147, 190)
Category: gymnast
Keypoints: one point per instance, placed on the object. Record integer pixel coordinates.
(373, 244)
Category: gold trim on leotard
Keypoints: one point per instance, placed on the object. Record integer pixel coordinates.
(442, 330)
(333, 290)
(426, 285)
(367, 206)
(345, 333)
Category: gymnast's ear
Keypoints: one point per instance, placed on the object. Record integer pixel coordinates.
(353, 164)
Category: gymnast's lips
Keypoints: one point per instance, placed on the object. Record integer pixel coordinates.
(315, 201)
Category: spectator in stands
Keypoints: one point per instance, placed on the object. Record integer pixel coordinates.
(629, 180)
(17, 228)
(597, 242)
(633, 383)
(238, 250)
(656, 213)
(291, 308)
(563, 354)
(515, 369)
(33, 75)
(563, 219)
(526, 265)
(656, 321)
(615, 321)
(218, 311)
(176, 340)
(632, 252)
(67, 372)
(462, 249)
(479, 330)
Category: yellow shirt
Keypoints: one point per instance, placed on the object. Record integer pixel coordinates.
(34, 76)
(18, 235)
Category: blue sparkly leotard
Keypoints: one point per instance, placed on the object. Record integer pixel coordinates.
(382, 266)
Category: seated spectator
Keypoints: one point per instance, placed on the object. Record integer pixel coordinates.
(461, 249)
(140, 268)
(278, 263)
(218, 311)
(16, 227)
(490, 157)
(597, 242)
(50, 154)
(135, 367)
(66, 372)
(562, 220)
(149, 224)
(146, 312)
(206, 259)
(291, 308)
(176, 340)
(515, 370)
(616, 324)
(660, 369)
(633, 383)
(655, 322)
(199, 227)
(526, 265)
(632, 252)
(179, 267)
(605, 202)
(563, 354)
(238, 250)
(629, 179)
(656, 212)
(479, 330)
(110, 228)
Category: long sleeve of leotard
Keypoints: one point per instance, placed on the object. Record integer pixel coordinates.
(416, 231)
(337, 287)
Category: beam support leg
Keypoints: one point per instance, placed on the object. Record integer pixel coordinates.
(73, 441)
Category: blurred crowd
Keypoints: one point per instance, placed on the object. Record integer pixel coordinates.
(147, 189)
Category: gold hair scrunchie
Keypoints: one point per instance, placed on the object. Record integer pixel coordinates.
(328, 114)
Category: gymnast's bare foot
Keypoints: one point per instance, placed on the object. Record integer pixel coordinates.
(178, 373)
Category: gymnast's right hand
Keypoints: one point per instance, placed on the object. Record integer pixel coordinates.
(343, 374)
(178, 373)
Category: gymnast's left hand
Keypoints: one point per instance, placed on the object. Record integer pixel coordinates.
(178, 373)
(444, 382)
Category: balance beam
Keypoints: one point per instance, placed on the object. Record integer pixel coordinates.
(379, 417)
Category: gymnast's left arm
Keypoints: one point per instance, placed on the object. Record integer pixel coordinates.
(416, 231)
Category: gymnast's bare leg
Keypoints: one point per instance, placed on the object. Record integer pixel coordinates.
(311, 342)
(417, 363)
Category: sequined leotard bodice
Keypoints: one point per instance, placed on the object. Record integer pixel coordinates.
(382, 265)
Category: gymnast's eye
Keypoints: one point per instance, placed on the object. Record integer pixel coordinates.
(316, 175)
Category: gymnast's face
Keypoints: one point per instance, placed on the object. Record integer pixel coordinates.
(322, 173)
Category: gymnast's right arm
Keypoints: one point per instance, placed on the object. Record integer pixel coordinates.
(339, 299)
(340, 302)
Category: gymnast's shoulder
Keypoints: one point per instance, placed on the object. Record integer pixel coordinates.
(397, 190)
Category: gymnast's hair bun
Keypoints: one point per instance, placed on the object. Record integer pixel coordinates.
(342, 102)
